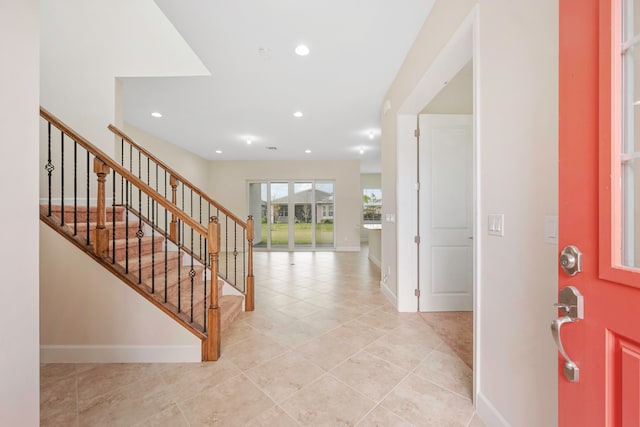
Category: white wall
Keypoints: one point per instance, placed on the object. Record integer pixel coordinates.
(516, 65)
(228, 183)
(87, 44)
(19, 359)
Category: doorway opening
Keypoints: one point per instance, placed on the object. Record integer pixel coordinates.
(438, 253)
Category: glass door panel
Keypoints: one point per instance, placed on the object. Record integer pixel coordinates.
(279, 214)
(303, 199)
(258, 209)
(324, 214)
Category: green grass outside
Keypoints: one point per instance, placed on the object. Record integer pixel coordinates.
(302, 233)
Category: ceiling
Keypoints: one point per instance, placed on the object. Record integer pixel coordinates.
(257, 81)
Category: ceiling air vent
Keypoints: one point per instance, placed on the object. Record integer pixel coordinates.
(272, 148)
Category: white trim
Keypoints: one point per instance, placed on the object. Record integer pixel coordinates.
(387, 293)
(347, 249)
(488, 413)
(120, 353)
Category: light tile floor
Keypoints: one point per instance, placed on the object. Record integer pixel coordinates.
(323, 348)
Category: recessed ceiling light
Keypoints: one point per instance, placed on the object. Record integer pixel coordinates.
(371, 135)
(302, 50)
(218, 151)
(307, 151)
(298, 114)
(249, 141)
(156, 114)
(361, 151)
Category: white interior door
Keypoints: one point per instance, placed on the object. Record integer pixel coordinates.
(446, 212)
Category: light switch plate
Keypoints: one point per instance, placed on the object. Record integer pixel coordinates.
(496, 225)
(551, 229)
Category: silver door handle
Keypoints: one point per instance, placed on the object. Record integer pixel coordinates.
(571, 370)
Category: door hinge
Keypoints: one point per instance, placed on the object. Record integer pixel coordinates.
(416, 133)
(416, 292)
(416, 239)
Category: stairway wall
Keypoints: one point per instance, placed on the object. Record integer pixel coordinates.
(89, 315)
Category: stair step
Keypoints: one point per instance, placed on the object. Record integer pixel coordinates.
(121, 228)
(147, 245)
(149, 261)
(230, 308)
(81, 213)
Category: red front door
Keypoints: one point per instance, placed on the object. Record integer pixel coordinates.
(599, 199)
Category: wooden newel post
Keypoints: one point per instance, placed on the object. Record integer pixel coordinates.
(173, 227)
(101, 234)
(249, 301)
(213, 313)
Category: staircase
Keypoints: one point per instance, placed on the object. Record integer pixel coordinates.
(147, 238)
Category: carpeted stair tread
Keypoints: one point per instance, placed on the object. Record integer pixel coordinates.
(157, 260)
(81, 213)
(121, 228)
(230, 308)
(147, 245)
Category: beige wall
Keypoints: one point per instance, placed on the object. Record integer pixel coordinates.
(19, 357)
(187, 164)
(516, 65)
(84, 306)
(228, 184)
(456, 97)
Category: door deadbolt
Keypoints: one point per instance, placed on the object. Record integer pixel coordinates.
(571, 260)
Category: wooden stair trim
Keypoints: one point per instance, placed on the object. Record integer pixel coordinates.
(179, 177)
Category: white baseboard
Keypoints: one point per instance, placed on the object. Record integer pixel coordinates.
(390, 295)
(488, 413)
(347, 248)
(120, 353)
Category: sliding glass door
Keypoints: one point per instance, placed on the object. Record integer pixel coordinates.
(293, 214)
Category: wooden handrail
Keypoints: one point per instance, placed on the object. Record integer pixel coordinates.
(104, 158)
(179, 177)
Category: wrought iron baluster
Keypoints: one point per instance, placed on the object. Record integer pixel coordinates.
(153, 247)
(148, 183)
(226, 247)
(88, 188)
(126, 233)
(113, 219)
(166, 251)
(179, 266)
(192, 274)
(139, 235)
(62, 177)
(235, 253)
(75, 189)
(122, 163)
(49, 166)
